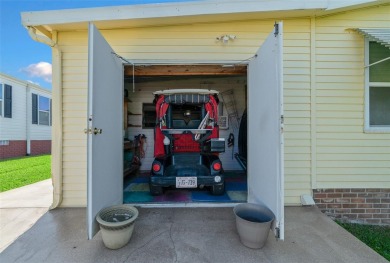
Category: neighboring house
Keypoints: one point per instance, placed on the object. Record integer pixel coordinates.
(332, 141)
(25, 118)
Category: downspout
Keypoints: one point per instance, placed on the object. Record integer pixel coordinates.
(28, 120)
(56, 140)
(313, 104)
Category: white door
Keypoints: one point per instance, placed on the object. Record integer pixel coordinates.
(265, 128)
(105, 143)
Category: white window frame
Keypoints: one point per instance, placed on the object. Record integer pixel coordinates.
(367, 85)
(38, 103)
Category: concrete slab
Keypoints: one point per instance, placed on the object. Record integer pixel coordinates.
(20, 208)
(188, 235)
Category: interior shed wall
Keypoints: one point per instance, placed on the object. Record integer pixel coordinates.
(192, 42)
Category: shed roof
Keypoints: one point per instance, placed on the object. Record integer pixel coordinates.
(184, 12)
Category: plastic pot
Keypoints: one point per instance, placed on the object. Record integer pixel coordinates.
(253, 224)
(117, 225)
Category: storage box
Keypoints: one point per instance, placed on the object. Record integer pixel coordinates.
(216, 145)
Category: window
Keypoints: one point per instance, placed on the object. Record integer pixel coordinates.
(377, 104)
(41, 110)
(148, 116)
(6, 101)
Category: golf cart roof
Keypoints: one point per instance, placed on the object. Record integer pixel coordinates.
(185, 91)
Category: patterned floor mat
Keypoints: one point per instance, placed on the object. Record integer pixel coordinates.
(136, 190)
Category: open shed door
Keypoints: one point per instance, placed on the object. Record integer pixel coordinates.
(105, 125)
(265, 131)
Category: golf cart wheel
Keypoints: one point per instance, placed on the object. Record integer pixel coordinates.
(218, 189)
(156, 190)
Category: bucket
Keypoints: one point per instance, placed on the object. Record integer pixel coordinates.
(117, 225)
(253, 224)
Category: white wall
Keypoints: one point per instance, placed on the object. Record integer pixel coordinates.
(15, 128)
(144, 94)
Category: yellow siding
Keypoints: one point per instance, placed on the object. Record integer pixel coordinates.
(190, 42)
(346, 156)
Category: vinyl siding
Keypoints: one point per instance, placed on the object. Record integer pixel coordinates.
(191, 42)
(346, 156)
(15, 128)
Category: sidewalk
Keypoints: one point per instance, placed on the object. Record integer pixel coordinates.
(21, 208)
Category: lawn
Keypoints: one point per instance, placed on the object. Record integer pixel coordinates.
(22, 171)
(376, 237)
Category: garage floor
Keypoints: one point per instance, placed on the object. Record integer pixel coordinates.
(136, 190)
(188, 235)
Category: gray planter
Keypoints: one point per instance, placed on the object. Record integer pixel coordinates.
(117, 225)
(253, 224)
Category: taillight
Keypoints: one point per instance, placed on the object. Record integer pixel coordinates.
(156, 167)
(217, 166)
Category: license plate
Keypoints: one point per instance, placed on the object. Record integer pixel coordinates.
(186, 182)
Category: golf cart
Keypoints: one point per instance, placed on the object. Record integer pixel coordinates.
(186, 141)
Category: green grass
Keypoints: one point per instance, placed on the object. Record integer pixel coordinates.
(18, 172)
(376, 237)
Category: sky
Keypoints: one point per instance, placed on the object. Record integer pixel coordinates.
(25, 59)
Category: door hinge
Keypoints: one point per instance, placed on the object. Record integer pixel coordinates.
(276, 29)
(277, 232)
(282, 119)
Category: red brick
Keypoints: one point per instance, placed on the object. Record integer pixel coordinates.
(373, 200)
(384, 211)
(380, 215)
(40, 147)
(365, 195)
(383, 195)
(349, 205)
(334, 195)
(373, 221)
(351, 216)
(13, 149)
(380, 205)
(327, 200)
(358, 200)
(364, 205)
(374, 190)
(333, 205)
(328, 190)
(349, 195)
(342, 211)
(358, 190)
(385, 221)
(342, 200)
(345, 190)
(372, 211)
(357, 210)
(385, 201)
(386, 190)
(320, 206)
(364, 216)
(322, 195)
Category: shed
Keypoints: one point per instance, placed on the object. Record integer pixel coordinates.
(318, 113)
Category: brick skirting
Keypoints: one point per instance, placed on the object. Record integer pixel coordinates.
(19, 148)
(367, 206)
(40, 147)
(13, 149)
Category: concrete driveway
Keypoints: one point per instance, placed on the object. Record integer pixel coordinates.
(188, 235)
(20, 208)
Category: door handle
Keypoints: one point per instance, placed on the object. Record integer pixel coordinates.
(97, 131)
(94, 131)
